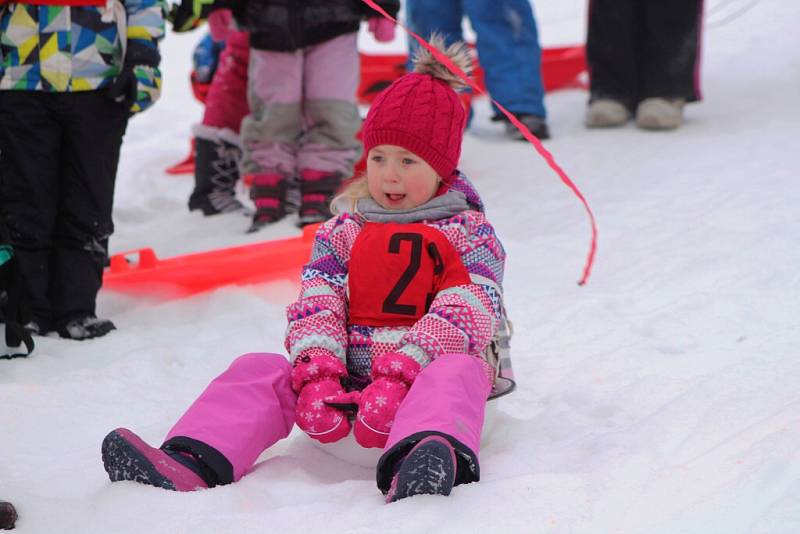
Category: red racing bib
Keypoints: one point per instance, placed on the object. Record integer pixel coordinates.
(397, 269)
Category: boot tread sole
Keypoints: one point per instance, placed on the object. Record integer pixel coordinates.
(428, 469)
(123, 461)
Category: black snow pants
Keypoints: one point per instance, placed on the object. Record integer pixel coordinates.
(638, 49)
(58, 164)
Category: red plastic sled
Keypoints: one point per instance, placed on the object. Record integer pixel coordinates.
(186, 166)
(180, 276)
(560, 69)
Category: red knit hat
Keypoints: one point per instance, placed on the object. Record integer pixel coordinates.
(422, 113)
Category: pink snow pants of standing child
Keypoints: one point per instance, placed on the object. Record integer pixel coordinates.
(303, 110)
(243, 411)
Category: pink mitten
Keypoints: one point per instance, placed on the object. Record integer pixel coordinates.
(392, 375)
(382, 29)
(219, 24)
(316, 379)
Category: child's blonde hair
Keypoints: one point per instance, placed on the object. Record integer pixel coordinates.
(347, 199)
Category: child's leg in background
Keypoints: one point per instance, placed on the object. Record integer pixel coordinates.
(509, 52)
(243, 411)
(91, 141)
(217, 138)
(271, 132)
(611, 51)
(447, 399)
(428, 16)
(443, 17)
(329, 148)
(29, 136)
(59, 164)
(507, 43)
(670, 49)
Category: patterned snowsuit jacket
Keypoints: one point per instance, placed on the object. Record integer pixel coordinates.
(79, 48)
(459, 319)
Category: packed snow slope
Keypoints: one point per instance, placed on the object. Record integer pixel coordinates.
(662, 397)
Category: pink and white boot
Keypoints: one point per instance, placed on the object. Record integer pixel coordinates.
(127, 457)
(428, 469)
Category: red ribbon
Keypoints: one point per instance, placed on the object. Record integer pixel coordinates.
(548, 157)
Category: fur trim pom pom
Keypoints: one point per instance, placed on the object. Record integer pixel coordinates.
(458, 52)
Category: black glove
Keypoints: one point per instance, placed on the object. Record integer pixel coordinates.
(138, 85)
(189, 14)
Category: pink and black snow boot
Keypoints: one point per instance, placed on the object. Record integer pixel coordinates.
(127, 457)
(317, 189)
(428, 469)
(268, 191)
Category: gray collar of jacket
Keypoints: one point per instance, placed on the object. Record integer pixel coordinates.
(441, 207)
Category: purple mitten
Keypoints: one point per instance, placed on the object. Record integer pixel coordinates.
(392, 375)
(382, 29)
(315, 379)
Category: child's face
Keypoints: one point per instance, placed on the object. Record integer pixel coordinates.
(399, 179)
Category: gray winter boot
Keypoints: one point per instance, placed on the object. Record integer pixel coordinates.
(606, 113)
(660, 113)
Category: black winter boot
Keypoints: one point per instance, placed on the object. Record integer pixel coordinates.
(216, 173)
(428, 469)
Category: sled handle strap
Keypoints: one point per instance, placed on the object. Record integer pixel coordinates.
(543, 152)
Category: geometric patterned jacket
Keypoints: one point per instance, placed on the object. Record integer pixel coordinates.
(458, 319)
(63, 49)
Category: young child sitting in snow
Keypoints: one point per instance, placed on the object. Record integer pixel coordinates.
(397, 306)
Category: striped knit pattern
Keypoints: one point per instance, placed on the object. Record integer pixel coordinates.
(461, 319)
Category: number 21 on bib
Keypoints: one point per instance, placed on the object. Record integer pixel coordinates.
(397, 269)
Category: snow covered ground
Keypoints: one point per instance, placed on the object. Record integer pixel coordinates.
(663, 397)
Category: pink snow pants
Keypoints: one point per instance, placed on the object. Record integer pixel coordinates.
(243, 411)
(448, 398)
(251, 406)
(303, 110)
(226, 104)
